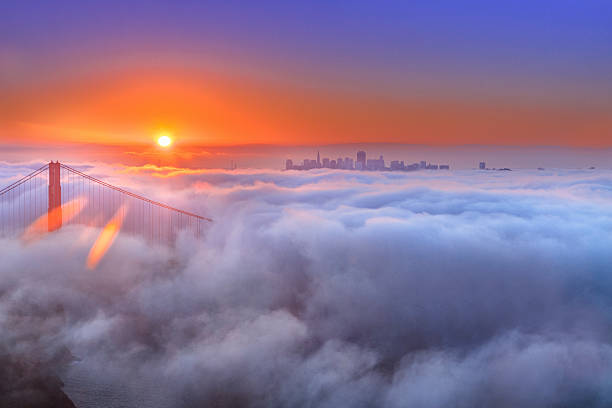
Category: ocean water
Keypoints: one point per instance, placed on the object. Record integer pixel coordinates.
(89, 389)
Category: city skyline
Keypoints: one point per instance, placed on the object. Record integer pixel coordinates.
(361, 163)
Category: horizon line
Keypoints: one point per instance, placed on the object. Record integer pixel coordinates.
(178, 144)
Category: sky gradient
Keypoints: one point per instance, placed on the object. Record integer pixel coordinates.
(300, 73)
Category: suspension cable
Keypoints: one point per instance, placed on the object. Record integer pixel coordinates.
(139, 197)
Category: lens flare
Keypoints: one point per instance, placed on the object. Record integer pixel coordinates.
(106, 238)
(40, 227)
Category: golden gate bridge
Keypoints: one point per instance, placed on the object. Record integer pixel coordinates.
(57, 195)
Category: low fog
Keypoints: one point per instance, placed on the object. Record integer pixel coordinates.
(331, 289)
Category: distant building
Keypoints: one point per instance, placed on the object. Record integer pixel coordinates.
(326, 162)
(310, 164)
(348, 163)
(397, 165)
(318, 161)
(339, 163)
(376, 164)
(289, 164)
(332, 164)
(444, 167)
(361, 158)
(423, 164)
(359, 166)
(482, 166)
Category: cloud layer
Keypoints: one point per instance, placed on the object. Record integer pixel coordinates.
(334, 289)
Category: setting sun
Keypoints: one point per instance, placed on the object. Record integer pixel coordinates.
(164, 141)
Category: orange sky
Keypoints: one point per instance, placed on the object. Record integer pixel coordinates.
(207, 108)
(435, 73)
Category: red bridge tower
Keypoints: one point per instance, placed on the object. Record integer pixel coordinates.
(54, 213)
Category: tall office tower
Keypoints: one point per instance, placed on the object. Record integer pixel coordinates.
(423, 164)
(318, 160)
(361, 158)
(288, 164)
(482, 165)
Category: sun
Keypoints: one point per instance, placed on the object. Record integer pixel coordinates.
(164, 141)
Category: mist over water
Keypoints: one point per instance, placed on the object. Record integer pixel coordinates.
(333, 288)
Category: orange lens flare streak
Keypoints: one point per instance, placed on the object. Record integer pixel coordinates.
(106, 238)
(40, 227)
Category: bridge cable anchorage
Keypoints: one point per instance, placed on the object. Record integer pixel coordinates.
(57, 194)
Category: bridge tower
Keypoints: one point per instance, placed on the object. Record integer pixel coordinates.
(54, 212)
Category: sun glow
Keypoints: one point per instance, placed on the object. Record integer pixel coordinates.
(164, 141)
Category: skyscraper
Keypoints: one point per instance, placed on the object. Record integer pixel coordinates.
(318, 160)
(361, 158)
(482, 166)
